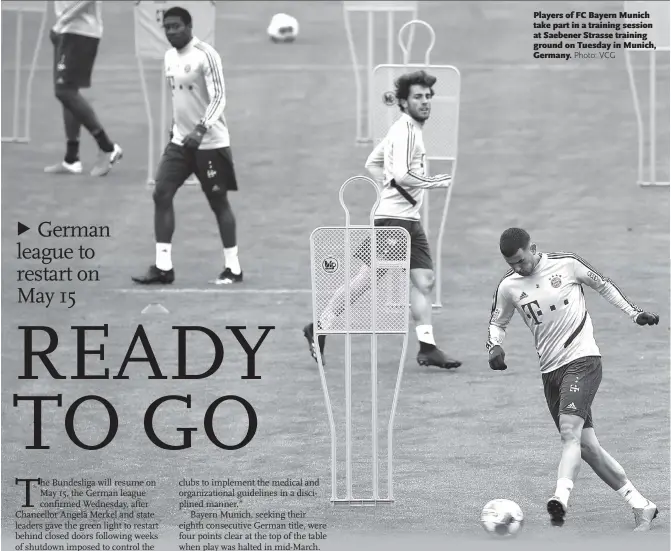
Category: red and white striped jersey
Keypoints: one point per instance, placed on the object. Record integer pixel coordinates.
(551, 302)
(196, 78)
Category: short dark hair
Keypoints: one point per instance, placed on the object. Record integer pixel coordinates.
(512, 240)
(176, 11)
(404, 82)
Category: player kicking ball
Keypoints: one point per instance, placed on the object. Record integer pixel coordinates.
(546, 289)
(398, 166)
(200, 145)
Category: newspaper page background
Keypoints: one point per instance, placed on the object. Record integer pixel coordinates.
(549, 144)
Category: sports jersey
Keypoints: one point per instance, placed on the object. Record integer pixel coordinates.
(551, 302)
(81, 17)
(196, 78)
(398, 165)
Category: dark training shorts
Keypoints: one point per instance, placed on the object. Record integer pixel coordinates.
(420, 253)
(571, 389)
(74, 57)
(213, 167)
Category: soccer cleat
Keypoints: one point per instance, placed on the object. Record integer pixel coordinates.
(64, 168)
(644, 516)
(155, 276)
(437, 358)
(106, 160)
(308, 332)
(227, 277)
(556, 510)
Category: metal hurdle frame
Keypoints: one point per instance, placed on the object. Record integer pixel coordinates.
(164, 114)
(451, 158)
(651, 180)
(20, 8)
(350, 499)
(390, 8)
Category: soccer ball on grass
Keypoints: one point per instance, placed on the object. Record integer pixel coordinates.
(283, 28)
(502, 517)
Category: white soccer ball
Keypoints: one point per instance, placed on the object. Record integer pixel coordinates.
(502, 517)
(283, 28)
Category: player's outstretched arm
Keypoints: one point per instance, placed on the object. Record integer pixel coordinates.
(501, 314)
(403, 146)
(588, 275)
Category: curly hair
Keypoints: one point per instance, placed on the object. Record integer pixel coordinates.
(406, 81)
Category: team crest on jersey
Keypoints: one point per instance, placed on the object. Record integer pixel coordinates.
(555, 281)
(187, 68)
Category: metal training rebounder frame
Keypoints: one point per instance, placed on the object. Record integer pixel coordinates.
(22, 8)
(370, 254)
(659, 35)
(441, 134)
(382, 7)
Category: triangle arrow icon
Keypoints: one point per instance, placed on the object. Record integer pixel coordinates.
(22, 228)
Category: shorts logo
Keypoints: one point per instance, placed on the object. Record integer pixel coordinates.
(330, 265)
(574, 388)
(555, 281)
(389, 99)
(571, 406)
(211, 173)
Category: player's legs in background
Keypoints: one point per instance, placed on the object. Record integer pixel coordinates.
(174, 168)
(359, 285)
(71, 163)
(215, 170)
(612, 473)
(75, 57)
(422, 279)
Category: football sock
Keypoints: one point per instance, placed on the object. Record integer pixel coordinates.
(425, 337)
(564, 487)
(104, 142)
(163, 257)
(231, 257)
(632, 496)
(72, 151)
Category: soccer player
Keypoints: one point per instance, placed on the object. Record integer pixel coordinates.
(200, 144)
(547, 291)
(398, 165)
(75, 37)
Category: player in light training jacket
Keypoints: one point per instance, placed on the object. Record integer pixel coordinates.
(398, 166)
(199, 144)
(547, 291)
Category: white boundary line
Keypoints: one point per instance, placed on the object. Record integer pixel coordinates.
(188, 290)
(287, 68)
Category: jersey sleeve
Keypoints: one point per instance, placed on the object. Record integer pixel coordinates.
(587, 275)
(501, 314)
(213, 73)
(403, 146)
(375, 163)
